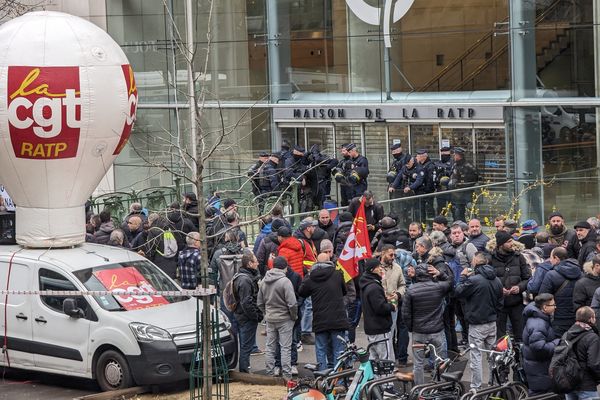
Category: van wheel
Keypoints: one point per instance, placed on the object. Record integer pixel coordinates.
(112, 371)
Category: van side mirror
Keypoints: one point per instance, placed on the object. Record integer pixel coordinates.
(70, 308)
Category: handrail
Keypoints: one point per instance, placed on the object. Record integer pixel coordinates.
(472, 48)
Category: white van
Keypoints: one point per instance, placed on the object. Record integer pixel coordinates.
(118, 340)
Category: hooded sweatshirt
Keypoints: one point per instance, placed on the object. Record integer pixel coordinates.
(276, 298)
(483, 295)
(377, 311)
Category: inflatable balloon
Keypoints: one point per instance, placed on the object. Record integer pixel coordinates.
(67, 105)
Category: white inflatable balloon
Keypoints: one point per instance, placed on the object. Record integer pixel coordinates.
(67, 105)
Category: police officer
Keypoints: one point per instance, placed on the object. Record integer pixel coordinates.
(441, 177)
(463, 175)
(359, 172)
(426, 203)
(286, 155)
(394, 176)
(254, 172)
(270, 177)
(295, 172)
(340, 174)
(413, 178)
(321, 166)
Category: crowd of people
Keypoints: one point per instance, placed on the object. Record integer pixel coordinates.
(537, 285)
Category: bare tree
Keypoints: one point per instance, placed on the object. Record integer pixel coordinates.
(13, 8)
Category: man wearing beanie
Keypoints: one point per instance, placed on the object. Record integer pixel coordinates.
(277, 301)
(423, 312)
(514, 273)
(377, 310)
(560, 235)
(587, 241)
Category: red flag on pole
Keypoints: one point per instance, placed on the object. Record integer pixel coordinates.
(357, 246)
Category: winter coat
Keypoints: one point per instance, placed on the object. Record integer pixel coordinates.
(587, 350)
(341, 235)
(276, 298)
(397, 237)
(154, 247)
(588, 246)
(317, 237)
(482, 293)
(246, 289)
(534, 284)
(512, 269)
(216, 270)
(329, 230)
(377, 311)
(191, 213)
(585, 288)
(291, 248)
(102, 235)
(564, 314)
(326, 286)
(180, 227)
(437, 258)
(567, 238)
(539, 341)
(423, 304)
(267, 250)
(479, 241)
(261, 236)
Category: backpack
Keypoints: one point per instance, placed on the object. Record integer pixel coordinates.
(230, 298)
(565, 371)
(169, 244)
(229, 265)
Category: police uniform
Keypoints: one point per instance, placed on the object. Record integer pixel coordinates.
(340, 173)
(442, 171)
(394, 177)
(254, 174)
(358, 174)
(426, 203)
(413, 178)
(322, 164)
(463, 175)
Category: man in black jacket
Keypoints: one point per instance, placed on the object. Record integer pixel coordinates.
(587, 241)
(374, 211)
(514, 273)
(423, 309)
(326, 224)
(482, 292)
(587, 285)
(247, 313)
(587, 351)
(560, 235)
(325, 285)
(377, 310)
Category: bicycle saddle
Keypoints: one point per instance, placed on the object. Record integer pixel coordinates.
(323, 373)
(455, 376)
(405, 376)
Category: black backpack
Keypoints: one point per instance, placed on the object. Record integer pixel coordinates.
(565, 371)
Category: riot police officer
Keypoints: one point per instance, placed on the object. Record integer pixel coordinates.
(321, 166)
(441, 177)
(254, 172)
(295, 179)
(359, 173)
(463, 175)
(394, 176)
(413, 178)
(269, 175)
(287, 158)
(426, 203)
(340, 174)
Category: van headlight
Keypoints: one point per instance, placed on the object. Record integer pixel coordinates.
(224, 319)
(149, 333)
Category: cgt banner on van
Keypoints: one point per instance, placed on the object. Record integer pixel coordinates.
(68, 101)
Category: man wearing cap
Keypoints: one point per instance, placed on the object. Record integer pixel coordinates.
(463, 175)
(529, 229)
(377, 310)
(423, 310)
(395, 170)
(270, 175)
(340, 174)
(560, 235)
(426, 204)
(442, 169)
(514, 273)
(254, 172)
(587, 241)
(277, 301)
(413, 178)
(359, 172)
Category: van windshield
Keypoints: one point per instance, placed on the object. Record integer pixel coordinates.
(129, 276)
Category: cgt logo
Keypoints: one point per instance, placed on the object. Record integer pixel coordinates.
(132, 98)
(372, 15)
(44, 111)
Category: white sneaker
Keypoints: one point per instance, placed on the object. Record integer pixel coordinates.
(299, 347)
(277, 371)
(294, 370)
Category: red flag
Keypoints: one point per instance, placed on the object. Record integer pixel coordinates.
(357, 247)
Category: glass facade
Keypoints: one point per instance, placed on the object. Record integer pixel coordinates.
(537, 60)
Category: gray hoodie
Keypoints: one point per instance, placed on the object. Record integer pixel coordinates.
(276, 297)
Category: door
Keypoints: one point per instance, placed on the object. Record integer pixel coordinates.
(18, 315)
(61, 341)
(377, 152)
(459, 136)
(425, 137)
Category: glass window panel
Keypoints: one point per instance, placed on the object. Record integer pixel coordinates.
(424, 137)
(376, 151)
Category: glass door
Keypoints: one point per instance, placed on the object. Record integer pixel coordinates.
(377, 152)
(425, 137)
(458, 136)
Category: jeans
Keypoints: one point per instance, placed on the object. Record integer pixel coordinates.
(307, 315)
(437, 339)
(279, 333)
(402, 339)
(354, 312)
(482, 336)
(328, 347)
(515, 313)
(383, 350)
(450, 326)
(247, 332)
(581, 395)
